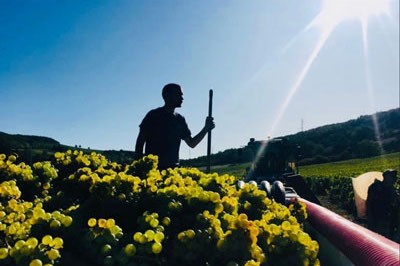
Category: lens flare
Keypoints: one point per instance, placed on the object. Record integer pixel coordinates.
(331, 15)
(334, 12)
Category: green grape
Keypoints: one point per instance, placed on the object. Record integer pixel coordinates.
(219, 208)
(38, 213)
(154, 223)
(53, 254)
(13, 252)
(115, 229)
(47, 239)
(286, 225)
(3, 253)
(102, 223)
(137, 236)
(122, 196)
(110, 222)
(166, 221)
(29, 214)
(67, 221)
(36, 262)
(182, 236)
(147, 217)
(159, 236)
(171, 205)
(55, 224)
(130, 249)
(12, 158)
(119, 235)
(156, 247)
(143, 239)
(57, 243)
(12, 230)
(106, 249)
(56, 214)
(92, 222)
(26, 250)
(160, 228)
(149, 234)
(190, 233)
(47, 216)
(19, 244)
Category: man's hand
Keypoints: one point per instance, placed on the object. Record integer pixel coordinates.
(209, 125)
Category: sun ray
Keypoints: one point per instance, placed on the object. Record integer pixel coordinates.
(333, 13)
(321, 41)
(370, 87)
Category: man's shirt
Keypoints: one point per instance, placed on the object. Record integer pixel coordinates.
(163, 133)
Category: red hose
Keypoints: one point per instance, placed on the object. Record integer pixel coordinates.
(360, 245)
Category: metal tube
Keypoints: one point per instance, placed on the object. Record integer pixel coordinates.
(209, 132)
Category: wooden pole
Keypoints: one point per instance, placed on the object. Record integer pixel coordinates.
(209, 132)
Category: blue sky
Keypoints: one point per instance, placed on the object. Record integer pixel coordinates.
(86, 72)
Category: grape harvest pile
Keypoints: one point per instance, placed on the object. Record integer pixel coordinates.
(82, 209)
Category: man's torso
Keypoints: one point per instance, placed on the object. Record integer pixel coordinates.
(163, 132)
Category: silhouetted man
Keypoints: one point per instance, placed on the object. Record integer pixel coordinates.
(383, 205)
(162, 130)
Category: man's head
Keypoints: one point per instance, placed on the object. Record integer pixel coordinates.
(390, 176)
(172, 95)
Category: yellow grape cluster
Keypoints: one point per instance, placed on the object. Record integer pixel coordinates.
(93, 159)
(101, 225)
(112, 214)
(32, 180)
(36, 252)
(152, 234)
(46, 169)
(9, 169)
(18, 216)
(102, 242)
(17, 220)
(9, 190)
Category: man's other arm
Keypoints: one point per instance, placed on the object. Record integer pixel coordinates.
(139, 145)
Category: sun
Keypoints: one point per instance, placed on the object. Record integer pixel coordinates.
(334, 12)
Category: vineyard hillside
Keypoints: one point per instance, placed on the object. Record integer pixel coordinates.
(353, 139)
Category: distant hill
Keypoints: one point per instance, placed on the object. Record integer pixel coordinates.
(28, 147)
(21, 141)
(37, 148)
(348, 140)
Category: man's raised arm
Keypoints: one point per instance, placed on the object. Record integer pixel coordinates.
(209, 125)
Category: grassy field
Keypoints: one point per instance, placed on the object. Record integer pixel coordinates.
(348, 168)
(237, 170)
(353, 168)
